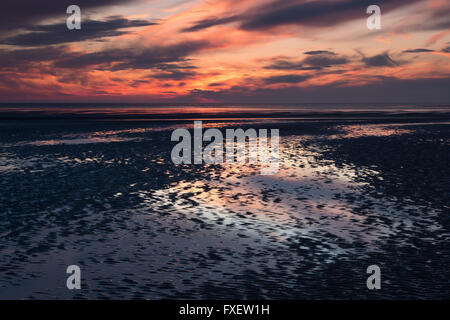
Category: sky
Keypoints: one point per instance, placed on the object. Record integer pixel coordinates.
(225, 51)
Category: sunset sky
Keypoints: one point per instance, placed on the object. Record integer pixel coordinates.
(225, 51)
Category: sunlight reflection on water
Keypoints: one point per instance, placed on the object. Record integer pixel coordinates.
(308, 197)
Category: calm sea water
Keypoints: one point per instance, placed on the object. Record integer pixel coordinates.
(141, 109)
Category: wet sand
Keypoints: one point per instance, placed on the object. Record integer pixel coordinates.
(105, 195)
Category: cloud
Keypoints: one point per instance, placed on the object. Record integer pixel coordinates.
(315, 60)
(174, 75)
(216, 84)
(210, 22)
(434, 25)
(309, 13)
(171, 60)
(19, 14)
(289, 78)
(50, 34)
(154, 56)
(19, 58)
(137, 83)
(394, 90)
(81, 60)
(122, 59)
(172, 66)
(379, 60)
(289, 65)
(323, 61)
(418, 50)
(319, 52)
(319, 13)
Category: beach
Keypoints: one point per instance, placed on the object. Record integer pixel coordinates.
(100, 191)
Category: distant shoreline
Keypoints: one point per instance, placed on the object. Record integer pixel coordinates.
(230, 112)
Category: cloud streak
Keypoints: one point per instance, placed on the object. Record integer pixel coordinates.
(50, 34)
(23, 13)
(298, 12)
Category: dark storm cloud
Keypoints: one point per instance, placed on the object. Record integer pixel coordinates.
(23, 13)
(379, 60)
(300, 12)
(289, 78)
(57, 33)
(418, 50)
